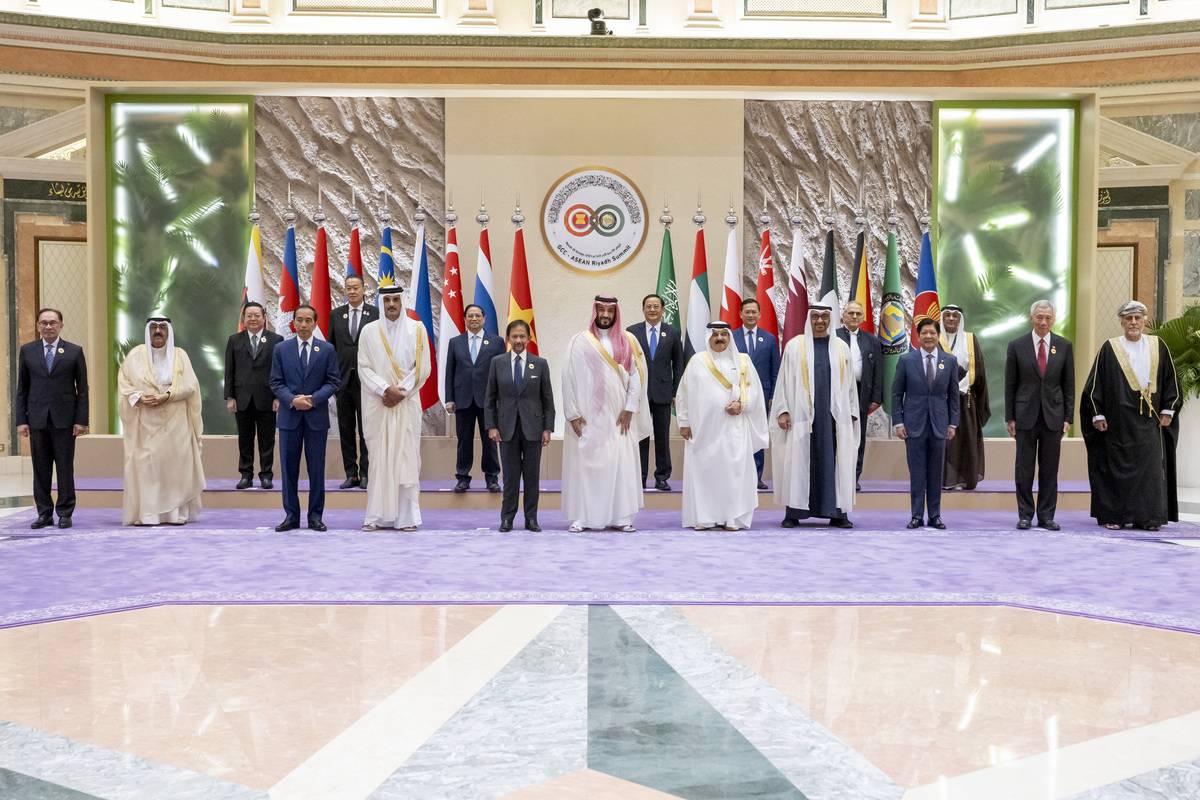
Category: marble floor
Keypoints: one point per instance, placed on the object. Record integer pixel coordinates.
(626, 702)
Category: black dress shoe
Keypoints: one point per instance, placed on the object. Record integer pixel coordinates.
(1050, 525)
(288, 524)
(789, 523)
(762, 485)
(493, 487)
(362, 484)
(915, 522)
(936, 522)
(461, 487)
(662, 485)
(41, 522)
(265, 483)
(857, 486)
(245, 482)
(315, 524)
(505, 525)
(64, 522)
(1023, 524)
(841, 522)
(349, 483)
(532, 526)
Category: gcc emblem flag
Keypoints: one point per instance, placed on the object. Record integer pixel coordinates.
(594, 220)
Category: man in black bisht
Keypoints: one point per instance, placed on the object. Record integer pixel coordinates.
(1131, 425)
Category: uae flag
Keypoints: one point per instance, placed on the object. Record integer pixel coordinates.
(451, 323)
(828, 296)
(698, 307)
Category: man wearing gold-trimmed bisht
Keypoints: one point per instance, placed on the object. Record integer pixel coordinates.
(964, 453)
(160, 416)
(1130, 424)
(723, 420)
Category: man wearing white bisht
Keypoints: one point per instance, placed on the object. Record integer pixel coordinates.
(393, 363)
(607, 415)
(723, 420)
(161, 429)
(814, 430)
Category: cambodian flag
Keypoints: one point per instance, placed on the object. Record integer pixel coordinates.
(926, 305)
(424, 314)
(289, 286)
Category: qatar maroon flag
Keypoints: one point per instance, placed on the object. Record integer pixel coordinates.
(765, 292)
(796, 316)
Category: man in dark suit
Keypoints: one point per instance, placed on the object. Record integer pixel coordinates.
(468, 361)
(925, 416)
(519, 414)
(663, 348)
(248, 394)
(763, 349)
(866, 356)
(1039, 406)
(304, 376)
(52, 409)
(344, 324)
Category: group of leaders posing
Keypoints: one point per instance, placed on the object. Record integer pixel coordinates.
(735, 399)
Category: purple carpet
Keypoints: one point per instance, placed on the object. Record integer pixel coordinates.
(99, 567)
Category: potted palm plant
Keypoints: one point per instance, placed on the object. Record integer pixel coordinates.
(1182, 336)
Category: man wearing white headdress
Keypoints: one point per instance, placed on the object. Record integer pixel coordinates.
(814, 426)
(607, 415)
(723, 421)
(964, 453)
(161, 428)
(393, 363)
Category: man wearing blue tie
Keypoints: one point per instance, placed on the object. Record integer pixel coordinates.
(763, 349)
(304, 376)
(663, 348)
(925, 416)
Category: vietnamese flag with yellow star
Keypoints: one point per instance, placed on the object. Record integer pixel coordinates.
(520, 298)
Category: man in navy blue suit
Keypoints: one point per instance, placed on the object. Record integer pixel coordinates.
(663, 348)
(468, 361)
(763, 349)
(925, 416)
(304, 375)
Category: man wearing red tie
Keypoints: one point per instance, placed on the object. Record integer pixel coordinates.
(1039, 405)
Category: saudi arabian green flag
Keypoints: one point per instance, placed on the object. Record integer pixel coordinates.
(667, 289)
(893, 330)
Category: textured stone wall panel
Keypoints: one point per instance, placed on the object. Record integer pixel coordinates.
(883, 148)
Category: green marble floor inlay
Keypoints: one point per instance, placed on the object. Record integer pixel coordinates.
(17, 786)
(647, 725)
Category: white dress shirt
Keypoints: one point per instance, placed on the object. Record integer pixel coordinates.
(855, 354)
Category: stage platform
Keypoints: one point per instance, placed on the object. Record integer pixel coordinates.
(233, 556)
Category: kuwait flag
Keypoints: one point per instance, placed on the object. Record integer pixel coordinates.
(925, 306)
(765, 291)
(451, 323)
(483, 285)
(731, 297)
(289, 285)
(354, 267)
(320, 283)
(860, 284)
(520, 298)
(698, 308)
(795, 318)
(423, 313)
(252, 285)
(828, 295)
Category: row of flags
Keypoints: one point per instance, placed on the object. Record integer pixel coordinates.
(893, 329)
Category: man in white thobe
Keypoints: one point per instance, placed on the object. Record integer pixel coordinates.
(607, 415)
(814, 438)
(393, 363)
(161, 429)
(723, 421)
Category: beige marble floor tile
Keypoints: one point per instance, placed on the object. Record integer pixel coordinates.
(587, 785)
(240, 692)
(930, 691)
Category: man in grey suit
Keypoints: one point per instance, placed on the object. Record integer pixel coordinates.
(866, 356)
(519, 414)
